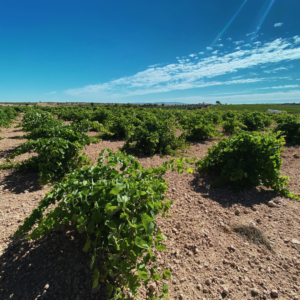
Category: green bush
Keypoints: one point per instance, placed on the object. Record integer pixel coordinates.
(232, 125)
(56, 157)
(290, 129)
(247, 159)
(200, 128)
(256, 120)
(115, 205)
(35, 118)
(155, 137)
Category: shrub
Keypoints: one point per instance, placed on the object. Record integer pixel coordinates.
(154, 137)
(115, 205)
(199, 128)
(232, 125)
(290, 129)
(56, 157)
(256, 120)
(247, 159)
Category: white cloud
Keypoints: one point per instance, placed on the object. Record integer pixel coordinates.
(215, 52)
(51, 93)
(257, 43)
(201, 53)
(209, 48)
(238, 42)
(250, 33)
(219, 45)
(278, 24)
(275, 70)
(192, 55)
(281, 87)
(229, 39)
(297, 39)
(236, 77)
(196, 74)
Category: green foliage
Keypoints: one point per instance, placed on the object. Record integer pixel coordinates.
(290, 129)
(36, 118)
(121, 127)
(200, 127)
(155, 136)
(7, 115)
(115, 205)
(232, 125)
(256, 120)
(56, 157)
(71, 133)
(247, 159)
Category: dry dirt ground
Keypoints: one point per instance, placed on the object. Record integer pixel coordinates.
(207, 259)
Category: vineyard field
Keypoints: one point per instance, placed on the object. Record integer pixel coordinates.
(125, 202)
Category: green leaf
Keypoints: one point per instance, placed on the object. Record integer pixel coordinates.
(142, 274)
(111, 210)
(87, 244)
(95, 278)
(167, 273)
(117, 189)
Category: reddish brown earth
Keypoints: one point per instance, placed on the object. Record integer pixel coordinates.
(207, 259)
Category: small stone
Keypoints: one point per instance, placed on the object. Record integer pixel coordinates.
(225, 289)
(294, 241)
(199, 286)
(152, 286)
(181, 296)
(254, 292)
(274, 293)
(272, 204)
(237, 212)
(205, 290)
(208, 282)
(231, 248)
(46, 287)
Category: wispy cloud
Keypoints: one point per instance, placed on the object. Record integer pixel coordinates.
(238, 42)
(251, 33)
(289, 86)
(278, 24)
(51, 93)
(197, 73)
(209, 48)
(276, 70)
(297, 39)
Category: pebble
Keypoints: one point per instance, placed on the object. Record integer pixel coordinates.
(272, 204)
(254, 291)
(152, 286)
(294, 241)
(274, 293)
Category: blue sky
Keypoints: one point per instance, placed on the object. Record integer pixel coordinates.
(234, 51)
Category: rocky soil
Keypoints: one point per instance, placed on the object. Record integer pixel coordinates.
(207, 259)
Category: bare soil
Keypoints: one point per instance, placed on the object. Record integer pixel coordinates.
(207, 259)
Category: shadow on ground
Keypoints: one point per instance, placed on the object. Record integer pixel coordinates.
(53, 267)
(18, 183)
(226, 197)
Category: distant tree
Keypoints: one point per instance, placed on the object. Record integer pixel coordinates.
(218, 103)
(92, 104)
